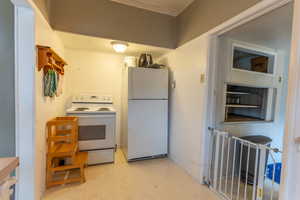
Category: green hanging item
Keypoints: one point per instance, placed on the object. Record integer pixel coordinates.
(53, 83)
(47, 83)
(50, 83)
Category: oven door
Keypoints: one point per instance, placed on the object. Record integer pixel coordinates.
(96, 132)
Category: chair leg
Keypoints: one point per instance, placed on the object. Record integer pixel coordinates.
(48, 178)
(82, 175)
(48, 171)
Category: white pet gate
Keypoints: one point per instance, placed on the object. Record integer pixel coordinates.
(238, 168)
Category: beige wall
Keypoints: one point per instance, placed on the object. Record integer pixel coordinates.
(203, 15)
(46, 108)
(97, 72)
(107, 19)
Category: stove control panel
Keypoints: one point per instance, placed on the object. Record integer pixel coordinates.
(103, 99)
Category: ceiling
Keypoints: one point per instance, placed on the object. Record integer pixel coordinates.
(82, 42)
(272, 30)
(169, 7)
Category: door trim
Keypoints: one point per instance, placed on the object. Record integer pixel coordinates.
(25, 98)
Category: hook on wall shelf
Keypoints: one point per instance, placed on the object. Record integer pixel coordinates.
(49, 59)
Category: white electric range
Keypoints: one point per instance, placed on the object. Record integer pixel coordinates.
(97, 127)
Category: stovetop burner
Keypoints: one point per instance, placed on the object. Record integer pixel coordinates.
(81, 109)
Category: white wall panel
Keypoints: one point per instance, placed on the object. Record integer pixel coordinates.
(187, 100)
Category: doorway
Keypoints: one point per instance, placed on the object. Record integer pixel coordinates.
(249, 91)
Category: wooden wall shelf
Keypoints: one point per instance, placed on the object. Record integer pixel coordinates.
(49, 59)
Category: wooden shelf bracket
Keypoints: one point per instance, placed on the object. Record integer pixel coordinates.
(49, 59)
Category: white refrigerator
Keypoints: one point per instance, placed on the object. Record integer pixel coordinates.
(144, 132)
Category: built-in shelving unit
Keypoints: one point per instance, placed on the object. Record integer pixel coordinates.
(246, 103)
(247, 83)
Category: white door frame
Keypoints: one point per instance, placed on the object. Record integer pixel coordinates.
(25, 98)
(254, 12)
(291, 161)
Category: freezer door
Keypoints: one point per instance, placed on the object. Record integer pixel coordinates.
(146, 83)
(147, 128)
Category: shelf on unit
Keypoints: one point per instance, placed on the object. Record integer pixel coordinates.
(80, 160)
(241, 106)
(65, 177)
(239, 93)
(63, 149)
(241, 118)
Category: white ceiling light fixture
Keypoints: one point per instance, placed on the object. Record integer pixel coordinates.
(119, 47)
